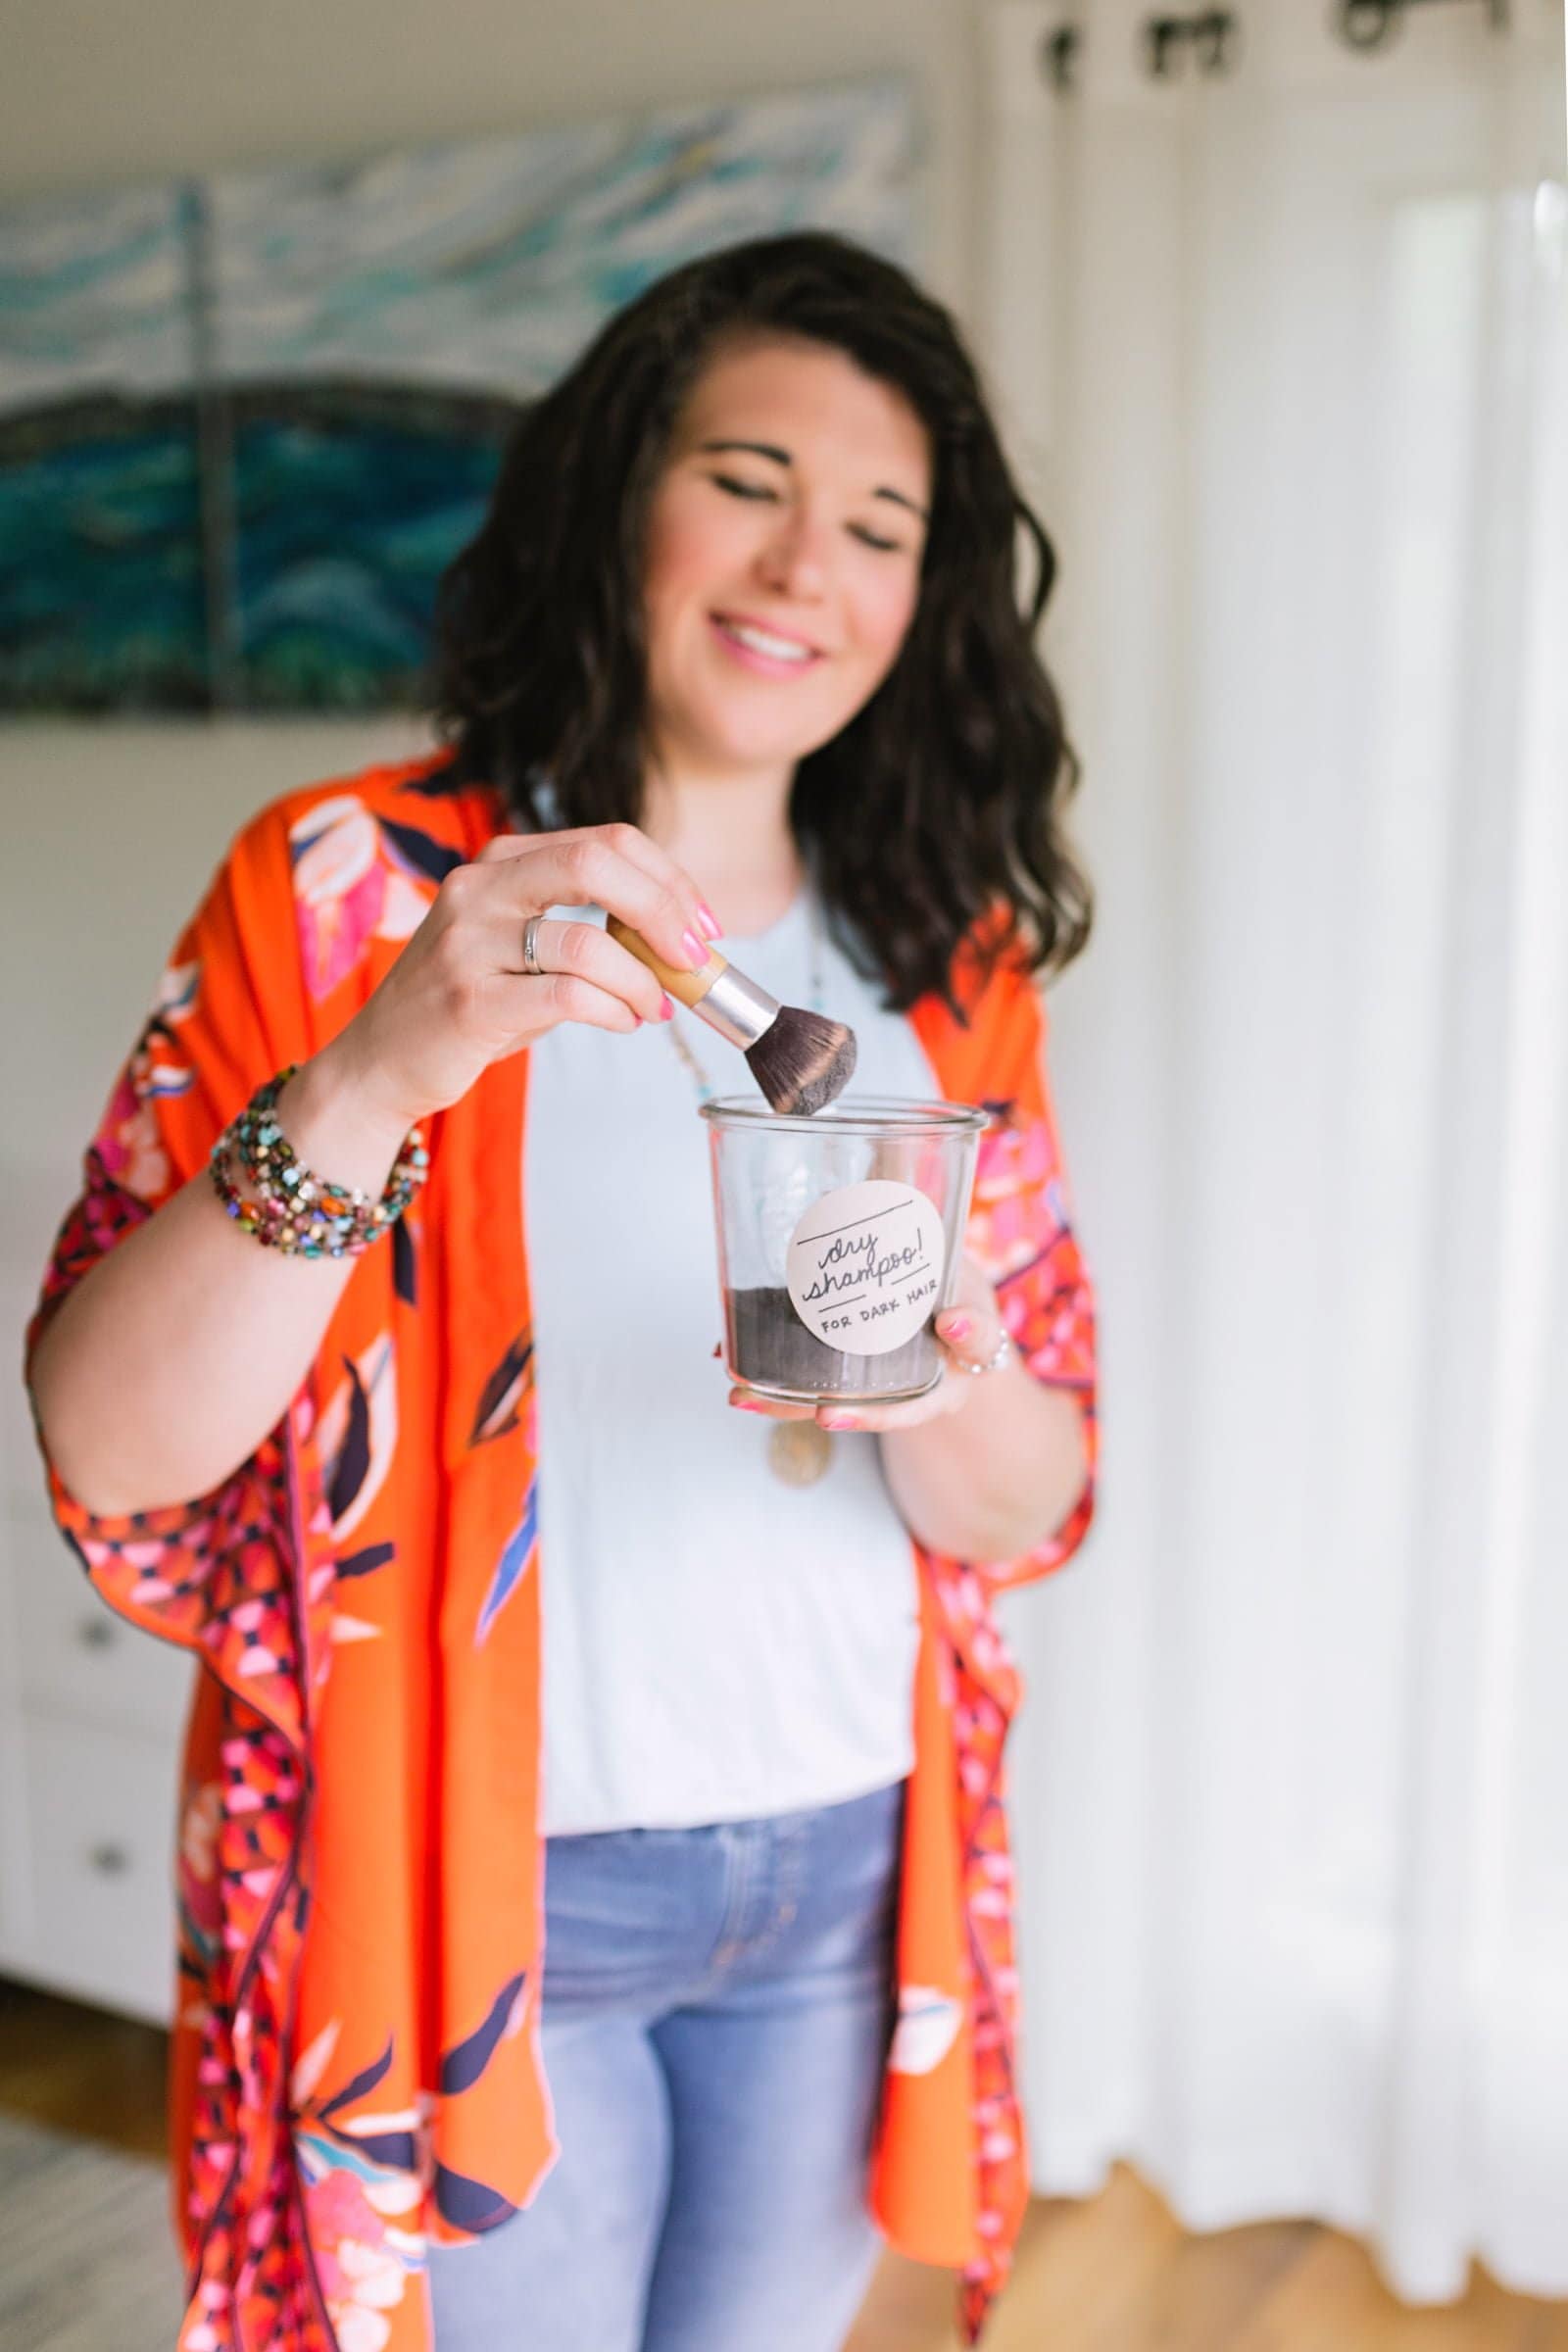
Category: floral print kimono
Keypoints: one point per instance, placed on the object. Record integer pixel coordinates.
(356, 2063)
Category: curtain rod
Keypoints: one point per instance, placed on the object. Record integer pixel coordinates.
(1214, 36)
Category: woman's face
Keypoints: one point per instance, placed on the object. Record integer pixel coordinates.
(784, 548)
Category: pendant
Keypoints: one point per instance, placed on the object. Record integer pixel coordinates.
(798, 1452)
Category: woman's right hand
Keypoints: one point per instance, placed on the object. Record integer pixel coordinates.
(458, 997)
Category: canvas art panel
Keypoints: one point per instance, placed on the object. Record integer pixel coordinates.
(246, 422)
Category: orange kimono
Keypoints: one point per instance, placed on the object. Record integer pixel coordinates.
(356, 2056)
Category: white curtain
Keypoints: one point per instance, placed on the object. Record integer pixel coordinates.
(1285, 357)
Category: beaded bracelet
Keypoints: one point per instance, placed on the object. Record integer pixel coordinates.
(295, 1210)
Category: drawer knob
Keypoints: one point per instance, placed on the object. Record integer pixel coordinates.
(110, 1860)
(95, 1633)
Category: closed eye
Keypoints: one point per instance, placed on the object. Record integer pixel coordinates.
(738, 489)
(761, 491)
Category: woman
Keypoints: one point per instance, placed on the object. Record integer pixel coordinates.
(699, 1946)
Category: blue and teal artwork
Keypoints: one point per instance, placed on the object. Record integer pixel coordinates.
(246, 422)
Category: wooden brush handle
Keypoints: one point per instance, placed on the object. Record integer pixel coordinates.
(688, 987)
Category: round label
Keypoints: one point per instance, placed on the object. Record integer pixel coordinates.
(864, 1267)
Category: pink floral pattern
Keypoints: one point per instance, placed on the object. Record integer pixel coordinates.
(363, 2259)
(1020, 1232)
(355, 880)
(130, 1142)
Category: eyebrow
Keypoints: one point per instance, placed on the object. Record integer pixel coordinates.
(781, 457)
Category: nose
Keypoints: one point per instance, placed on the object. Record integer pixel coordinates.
(796, 556)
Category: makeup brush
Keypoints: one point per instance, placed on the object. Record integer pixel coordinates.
(801, 1061)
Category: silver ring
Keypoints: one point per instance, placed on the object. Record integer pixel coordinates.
(530, 947)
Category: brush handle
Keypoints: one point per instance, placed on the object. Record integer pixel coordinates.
(719, 994)
(688, 987)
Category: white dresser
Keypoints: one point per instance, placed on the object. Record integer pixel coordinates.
(91, 1717)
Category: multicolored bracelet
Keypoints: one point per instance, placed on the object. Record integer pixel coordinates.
(293, 1209)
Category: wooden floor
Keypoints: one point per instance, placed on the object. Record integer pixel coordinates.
(1117, 2273)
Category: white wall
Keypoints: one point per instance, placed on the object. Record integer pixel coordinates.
(90, 92)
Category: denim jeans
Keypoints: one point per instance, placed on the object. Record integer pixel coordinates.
(718, 2008)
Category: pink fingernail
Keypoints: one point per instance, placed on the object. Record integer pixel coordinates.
(708, 920)
(840, 1421)
(747, 1404)
(666, 1011)
(697, 951)
(959, 1327)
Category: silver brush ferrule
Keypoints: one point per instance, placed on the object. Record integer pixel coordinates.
(738, 1008)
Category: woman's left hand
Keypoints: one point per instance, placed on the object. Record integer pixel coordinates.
(969, 1332)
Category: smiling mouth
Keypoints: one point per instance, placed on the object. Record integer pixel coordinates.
(771, 647)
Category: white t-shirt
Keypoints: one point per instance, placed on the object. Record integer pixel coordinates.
(718, 1645)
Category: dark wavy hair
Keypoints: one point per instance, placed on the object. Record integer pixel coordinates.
(940, 804)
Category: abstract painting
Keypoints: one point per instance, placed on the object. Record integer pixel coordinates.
(246, 422)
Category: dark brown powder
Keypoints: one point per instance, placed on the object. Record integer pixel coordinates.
(769, 1347)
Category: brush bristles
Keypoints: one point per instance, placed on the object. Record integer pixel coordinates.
(803, 1061)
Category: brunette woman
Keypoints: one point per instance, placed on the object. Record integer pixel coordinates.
(595, 1907)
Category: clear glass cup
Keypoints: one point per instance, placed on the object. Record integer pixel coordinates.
(840, 1238)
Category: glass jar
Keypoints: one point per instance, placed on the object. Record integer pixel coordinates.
(838, 1238)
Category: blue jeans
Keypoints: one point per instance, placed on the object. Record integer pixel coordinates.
(717, 2007)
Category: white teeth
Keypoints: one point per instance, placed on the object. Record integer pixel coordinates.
(777, 648)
